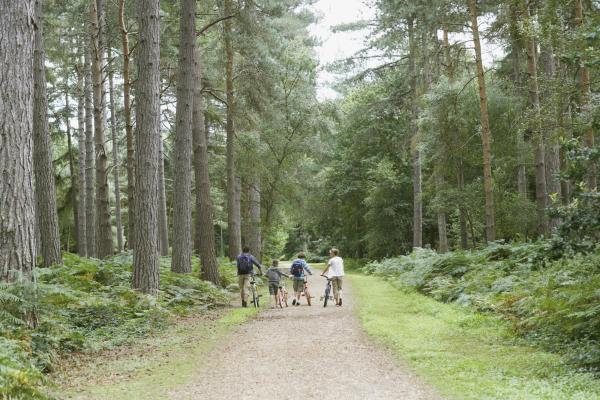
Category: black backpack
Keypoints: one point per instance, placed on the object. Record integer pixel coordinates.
(297, 268)
(244, 264)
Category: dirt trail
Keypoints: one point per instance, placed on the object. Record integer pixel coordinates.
(303, 352)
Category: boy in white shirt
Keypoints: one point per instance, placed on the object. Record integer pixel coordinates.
(335, 272)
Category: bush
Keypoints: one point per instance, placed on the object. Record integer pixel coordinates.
(550, 300)
(86, 305)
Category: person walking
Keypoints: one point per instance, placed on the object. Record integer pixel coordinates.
(245, 270)
(299, 266)
(335, 272)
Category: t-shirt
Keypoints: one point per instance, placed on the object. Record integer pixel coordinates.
(253, 262)
(274, 275)
(336, 267)
(305, 267)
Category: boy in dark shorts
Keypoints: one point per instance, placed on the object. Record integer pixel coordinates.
(274, 276)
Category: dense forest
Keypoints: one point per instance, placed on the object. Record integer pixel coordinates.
(142, 143)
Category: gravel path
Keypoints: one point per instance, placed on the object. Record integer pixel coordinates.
(303, 352)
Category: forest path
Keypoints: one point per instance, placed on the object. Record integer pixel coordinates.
(302, 352)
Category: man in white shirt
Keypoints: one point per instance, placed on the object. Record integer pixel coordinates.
(335, 272)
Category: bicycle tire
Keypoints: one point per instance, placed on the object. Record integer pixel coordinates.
(326, 298)
(255, 300)
(285, 297)
(307, 294)
(280, 298)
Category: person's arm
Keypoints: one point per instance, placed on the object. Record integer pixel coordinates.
(307, 268)
(255, 262)
(326, 268)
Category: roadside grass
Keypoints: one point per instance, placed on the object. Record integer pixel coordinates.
(153, 366)
(463, 353)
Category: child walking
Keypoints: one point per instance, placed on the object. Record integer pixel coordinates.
(274, 276)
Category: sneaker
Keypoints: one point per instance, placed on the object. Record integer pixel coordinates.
(244, 303)
(294, 302)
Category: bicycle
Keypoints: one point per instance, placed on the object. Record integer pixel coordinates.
(327, 295)
(282, 296)
(254, 290)
(306, 292)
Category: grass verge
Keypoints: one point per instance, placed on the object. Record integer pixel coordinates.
(152, 367)
(464, 354)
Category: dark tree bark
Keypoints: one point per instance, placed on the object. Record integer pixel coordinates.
(534, 103)
(490, 229)
(82, 209)
(163, 220)
(145, 249)
(17, 209)
(128, 126)
(104, 240)
(115, 154)
(45, 192)
(74, 187)
(233, 206)
(254, 221)
(90, 159)
(182, 187)
(204, 208)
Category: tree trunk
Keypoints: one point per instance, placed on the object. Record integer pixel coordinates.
(182, 186)
(534, 103)
(17, 208)
(586, 94)
(90, 159)
(254, 227)
(74, 186)
(145, 248)
(128, 127)
(415, 151)
(163, 220)
(115, 154)
(490, 229)
(104, 230)
(45, 192)
(462, 214)
(82, 209)
(204, 208)
(233, 206)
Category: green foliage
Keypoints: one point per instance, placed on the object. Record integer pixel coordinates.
(87, 305)
(549, 298)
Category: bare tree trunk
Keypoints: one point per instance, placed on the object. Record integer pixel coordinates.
(534, 102)
(163, 220)
(45, 192)
(254, 227)
(182, 187)
(490, 229)
(81, 221)
(462, 214)
(115, 154)
(145, 249)
(586, 94)
(17, 201)
(128, 127)
(104, 230)
(90, 160)
(233, 206)
(415, 151)
(74, 186)
(204, 208)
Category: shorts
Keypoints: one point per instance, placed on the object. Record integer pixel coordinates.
(273, 288)
(298, 285)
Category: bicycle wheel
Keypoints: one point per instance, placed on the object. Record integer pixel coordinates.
(254, 296)
(307, 294)
(326, 298)
(284, 293)
(280, 297)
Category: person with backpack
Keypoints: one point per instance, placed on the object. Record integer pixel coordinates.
(335, 273)
(245, 270)
(297, 269)
(274, 276)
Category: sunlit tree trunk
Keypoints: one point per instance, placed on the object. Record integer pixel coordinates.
(90, 158)
(45, 192)
(163, 220)
(490, 229)
(17, 201)
(104, 230)
(115, 154)
(128, 126)
(182, 187)
(82, 209)
(147, 143)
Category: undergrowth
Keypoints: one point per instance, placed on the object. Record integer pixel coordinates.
(551, 300)
(87, 305)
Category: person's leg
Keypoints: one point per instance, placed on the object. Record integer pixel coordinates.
(334, 284)
(339, 284)
(244, 282)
